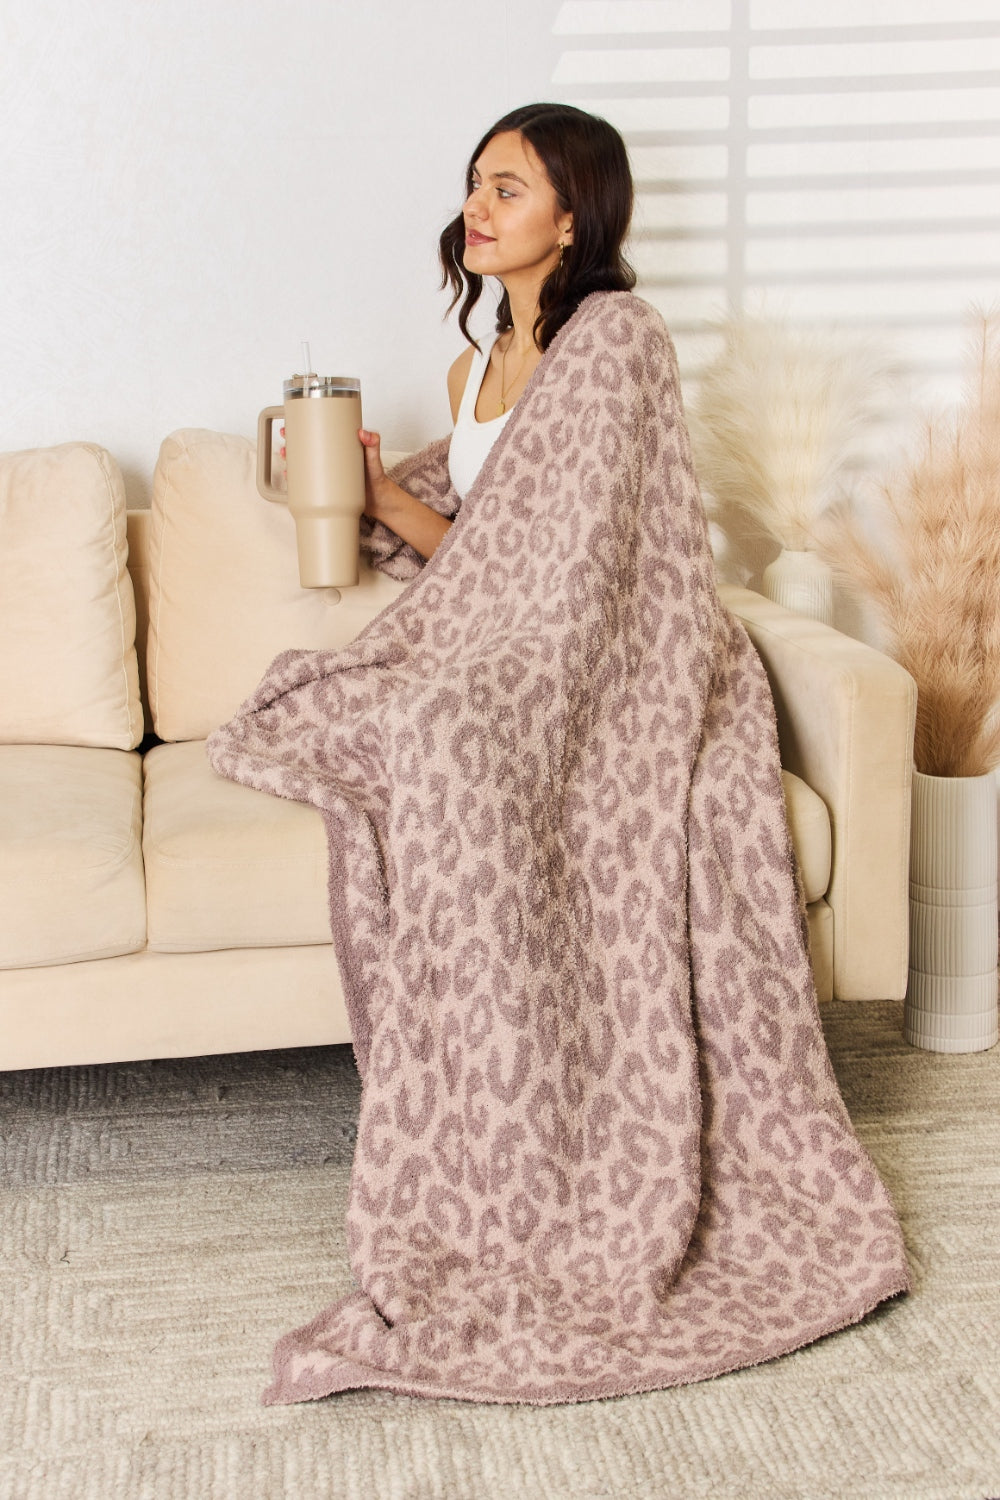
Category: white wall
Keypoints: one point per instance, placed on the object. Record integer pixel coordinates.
(192, 188)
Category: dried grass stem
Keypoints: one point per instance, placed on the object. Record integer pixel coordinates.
(934, 576)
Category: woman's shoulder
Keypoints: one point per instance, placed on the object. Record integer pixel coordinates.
(459, 368)
(614, 320)
(623, 306)
(458, 376)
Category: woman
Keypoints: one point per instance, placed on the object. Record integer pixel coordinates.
(548, 205)
(600, 1146)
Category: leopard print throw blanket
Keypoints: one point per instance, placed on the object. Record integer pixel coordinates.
(600, 1148)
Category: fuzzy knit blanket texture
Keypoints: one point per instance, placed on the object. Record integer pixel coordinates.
(601, 1149)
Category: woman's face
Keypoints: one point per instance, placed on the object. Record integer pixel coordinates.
(513, 222)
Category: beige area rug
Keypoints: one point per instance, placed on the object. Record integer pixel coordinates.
(161, 1223)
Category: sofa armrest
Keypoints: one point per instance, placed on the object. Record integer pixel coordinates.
(845, 725)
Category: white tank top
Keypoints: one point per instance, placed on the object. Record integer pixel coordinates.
(471, 441)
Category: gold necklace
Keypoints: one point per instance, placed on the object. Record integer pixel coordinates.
(503, 366)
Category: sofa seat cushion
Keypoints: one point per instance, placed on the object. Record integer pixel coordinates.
(812, 839)
(71, 881)
(68, 670)
(229, 867)
(226, 866)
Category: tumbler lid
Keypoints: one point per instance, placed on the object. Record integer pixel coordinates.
(321, 385)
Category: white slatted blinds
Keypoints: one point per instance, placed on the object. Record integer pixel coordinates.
(841, 162)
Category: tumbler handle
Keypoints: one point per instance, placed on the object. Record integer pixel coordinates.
(265, 483)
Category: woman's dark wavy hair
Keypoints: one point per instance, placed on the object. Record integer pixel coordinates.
(587, 165)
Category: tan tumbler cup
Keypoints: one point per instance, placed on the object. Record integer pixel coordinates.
(326, 474)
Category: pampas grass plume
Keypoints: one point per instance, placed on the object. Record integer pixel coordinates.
(772, 424)
(933, 575)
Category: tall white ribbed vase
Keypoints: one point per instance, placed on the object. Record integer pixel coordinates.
(801, 581)
(951, 994)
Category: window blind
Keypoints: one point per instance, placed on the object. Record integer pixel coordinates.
(831, 165)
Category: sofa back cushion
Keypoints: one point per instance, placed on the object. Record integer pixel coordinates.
(224, 592)
(68, 671)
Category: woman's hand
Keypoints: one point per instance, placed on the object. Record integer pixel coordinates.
(395, 507)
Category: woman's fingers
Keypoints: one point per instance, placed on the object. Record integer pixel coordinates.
(374, 472)
(371, 442)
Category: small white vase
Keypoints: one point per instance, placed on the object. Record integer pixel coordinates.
(803, 582)
(951, 994)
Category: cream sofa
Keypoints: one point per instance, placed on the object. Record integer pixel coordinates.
(151, 909)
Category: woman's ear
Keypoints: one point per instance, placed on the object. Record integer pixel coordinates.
(566, 230)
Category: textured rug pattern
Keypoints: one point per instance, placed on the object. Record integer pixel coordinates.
(160, 1223)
